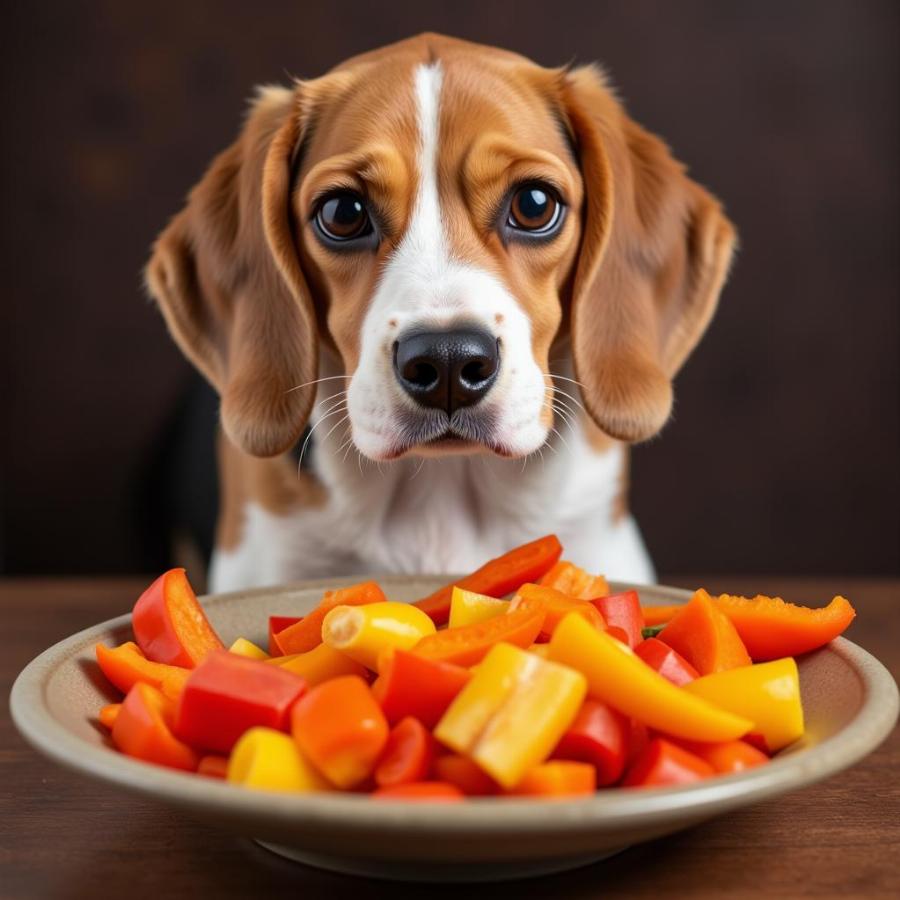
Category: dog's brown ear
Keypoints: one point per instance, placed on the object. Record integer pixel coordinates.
(654, 255)
(227, 278)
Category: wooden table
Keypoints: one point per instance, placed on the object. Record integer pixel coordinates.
(64, 836)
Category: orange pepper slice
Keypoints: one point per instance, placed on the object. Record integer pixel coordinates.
(574, 582)
(468, 645)
(306, 634)
(497, 577)
(125, 666)
(555, 605)
(705, 637)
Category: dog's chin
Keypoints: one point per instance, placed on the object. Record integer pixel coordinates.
(429, 439)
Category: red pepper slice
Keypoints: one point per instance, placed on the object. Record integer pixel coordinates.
(668, 662)
(276, 625)
(410, 685)
(623, 611)
(227, 694)
(499, 576)
(428, 791)
(407, 756)
(599, 735)
(169, 624)
(664, 764)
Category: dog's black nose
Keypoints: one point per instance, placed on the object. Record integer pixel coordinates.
(447, 369)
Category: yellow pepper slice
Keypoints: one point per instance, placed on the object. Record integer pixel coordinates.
(320, 664)
(615, 675)
(243, 647)
(363, 632)
(768, 693)
(468, 607)
(270, 760)
(512, 713)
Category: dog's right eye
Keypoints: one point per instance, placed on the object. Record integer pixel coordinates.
(343, 217)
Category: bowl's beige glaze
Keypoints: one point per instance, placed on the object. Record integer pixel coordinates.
(850, 699)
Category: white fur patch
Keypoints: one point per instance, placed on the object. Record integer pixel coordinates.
(425, 286)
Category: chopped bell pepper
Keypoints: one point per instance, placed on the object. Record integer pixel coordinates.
(213, 766)
(408, 754)
(555, 605)
(468, 645)
(469, 607)
(512, 713)
(618, 677)
(108, 715)
(169, 624)
(574, 582)
(227, 694)
(364, 632)
(499, 576)
(599, 735)
(727, 757)
(668, 662)
(126, 665)
(340, 729)
(243, 647)
(420, 791)
(664, 764)
(660, 615)
(622, 611)
(557, 778)
(269, 760)
(277, 624)
(410, 685)
(319, 664)
(306, 634)
(143, 729)
(771, 628)
(465, 774)
(705, 637)
(768, 693)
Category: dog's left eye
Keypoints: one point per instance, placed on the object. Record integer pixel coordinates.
(343, 217)
(534, 208)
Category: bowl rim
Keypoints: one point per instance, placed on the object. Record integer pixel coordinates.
(603, 811)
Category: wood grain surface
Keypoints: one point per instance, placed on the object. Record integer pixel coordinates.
(64, 836)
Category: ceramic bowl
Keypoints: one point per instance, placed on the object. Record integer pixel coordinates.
(850, 702)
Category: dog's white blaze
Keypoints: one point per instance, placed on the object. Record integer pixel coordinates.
(424, 285)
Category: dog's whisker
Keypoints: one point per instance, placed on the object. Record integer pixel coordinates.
(316, 381)
(308, 436)
(563, 378)
(418, 468)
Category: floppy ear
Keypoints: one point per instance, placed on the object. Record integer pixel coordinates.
(654, 255)
(227, 278)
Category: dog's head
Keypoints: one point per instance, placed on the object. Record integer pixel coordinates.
(438, 215)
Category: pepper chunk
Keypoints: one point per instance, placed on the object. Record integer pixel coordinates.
(228, 694)
(364, 632)
(554, 604)
(600, 736)
(243, 647)
(664, 764)
(410, 685)
(557, 778)
(574, 582)
(771, 628)
(341, 729)
(469, 607)
(170, 625)
(271, 761)
(407, 756)
(306, 633)
(142, 729)
(620, 678)
(468, 645)
(512, 713)
(623, 611)
(499, 576)
(668, 662)
(126, 665)
(318, 665)
(277, 624)
(768, 693)
(705, 637)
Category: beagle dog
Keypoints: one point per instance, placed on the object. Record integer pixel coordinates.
(475, 277)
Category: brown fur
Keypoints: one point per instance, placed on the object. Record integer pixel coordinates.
(247, 290)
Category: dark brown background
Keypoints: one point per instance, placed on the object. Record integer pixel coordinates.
(783, 456)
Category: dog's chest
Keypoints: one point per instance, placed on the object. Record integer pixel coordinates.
(441, 515)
